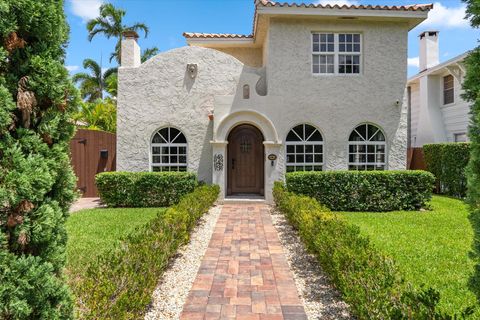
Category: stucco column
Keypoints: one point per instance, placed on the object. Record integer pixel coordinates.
(273, 168)
(219, 149)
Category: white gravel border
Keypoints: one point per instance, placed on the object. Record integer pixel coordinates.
(320, 299)
(173, 287)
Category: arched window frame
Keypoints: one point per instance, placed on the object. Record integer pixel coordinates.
(171, 154)
(298, 150)
(376, 149)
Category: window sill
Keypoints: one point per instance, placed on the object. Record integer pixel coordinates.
(448, 105)
(337, 74)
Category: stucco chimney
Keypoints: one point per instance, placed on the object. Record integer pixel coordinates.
(130, 54)
(428, 50)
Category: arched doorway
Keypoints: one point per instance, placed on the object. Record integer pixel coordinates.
(245, 166)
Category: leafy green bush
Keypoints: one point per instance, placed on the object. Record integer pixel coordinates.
(369, 281)
(447, 162)
(364, 190)
(37, 184)
(119, 284)
(144, 189)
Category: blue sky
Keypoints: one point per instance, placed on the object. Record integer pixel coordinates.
(168, 19)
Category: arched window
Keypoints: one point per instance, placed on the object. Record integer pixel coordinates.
(169, 150)
(366, 150)
(304, 149)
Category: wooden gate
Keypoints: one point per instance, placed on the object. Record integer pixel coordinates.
(92, 152)
(416, 159)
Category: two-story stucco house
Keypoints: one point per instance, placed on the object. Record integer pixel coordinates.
(312, 88)
(437, 111)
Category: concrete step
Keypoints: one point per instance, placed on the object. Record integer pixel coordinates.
(243, 200)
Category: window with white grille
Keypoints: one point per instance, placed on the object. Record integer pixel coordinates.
(366, 148)
(304, 149)
(169, 150)
(336, 53)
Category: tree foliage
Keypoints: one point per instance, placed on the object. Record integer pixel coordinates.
(94, 83)
(98, 115)
(471, 86)
(149, 53)
(36, 179)
(110, 24)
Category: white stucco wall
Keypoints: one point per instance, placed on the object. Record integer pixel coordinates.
(336, 104)
(160, 93)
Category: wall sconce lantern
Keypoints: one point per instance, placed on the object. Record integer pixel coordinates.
(272, 157)
(192, 70)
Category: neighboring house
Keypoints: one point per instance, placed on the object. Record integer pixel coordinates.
(437, 112)
(313, 88)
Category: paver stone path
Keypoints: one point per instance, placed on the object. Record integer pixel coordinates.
(244, 273)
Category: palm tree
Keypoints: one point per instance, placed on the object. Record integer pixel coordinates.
(93, 84)
(110, 24)
(149, 53)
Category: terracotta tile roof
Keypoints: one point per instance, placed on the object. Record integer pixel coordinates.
(270, 3)
(191, 35)
(413, 7)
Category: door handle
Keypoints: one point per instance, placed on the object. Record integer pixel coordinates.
(233, 164)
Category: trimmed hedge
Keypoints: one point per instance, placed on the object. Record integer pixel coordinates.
(144, 189)
(368, 280)
(365, 190)
(120, 283)
(447, 161)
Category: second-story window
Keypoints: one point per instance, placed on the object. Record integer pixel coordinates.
(336, 53)
(448, 89)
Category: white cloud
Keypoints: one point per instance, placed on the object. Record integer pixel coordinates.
(86, 9)
(72, 68)
(450, 17)
(413, 62)
(339, 2)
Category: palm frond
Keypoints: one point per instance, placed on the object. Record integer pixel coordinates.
(94, 67)
(108, 73)
(149, 53)
(139, 26)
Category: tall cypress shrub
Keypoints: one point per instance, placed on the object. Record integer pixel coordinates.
(36, 180)
(471, 86)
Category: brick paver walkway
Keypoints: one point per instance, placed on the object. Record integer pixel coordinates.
(244, 273)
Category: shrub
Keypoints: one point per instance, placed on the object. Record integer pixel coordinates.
(364, 190)
(37, 183)
(144, 189)
(447, 162)
(368, 280)
(119, 284)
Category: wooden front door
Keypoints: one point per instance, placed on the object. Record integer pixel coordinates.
(245, 161)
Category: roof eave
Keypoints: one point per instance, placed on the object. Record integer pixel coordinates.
(220, 42)
(438, 67)
(414, 17)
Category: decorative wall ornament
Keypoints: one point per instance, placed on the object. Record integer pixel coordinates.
(218, 162)
(192, 70)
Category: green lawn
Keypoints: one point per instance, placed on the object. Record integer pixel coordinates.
(91, 232)
(430, 247)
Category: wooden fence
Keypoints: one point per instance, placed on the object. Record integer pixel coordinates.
(92, 152)
(416, 159)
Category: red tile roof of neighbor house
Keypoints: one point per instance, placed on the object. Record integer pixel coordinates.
(269, 3)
